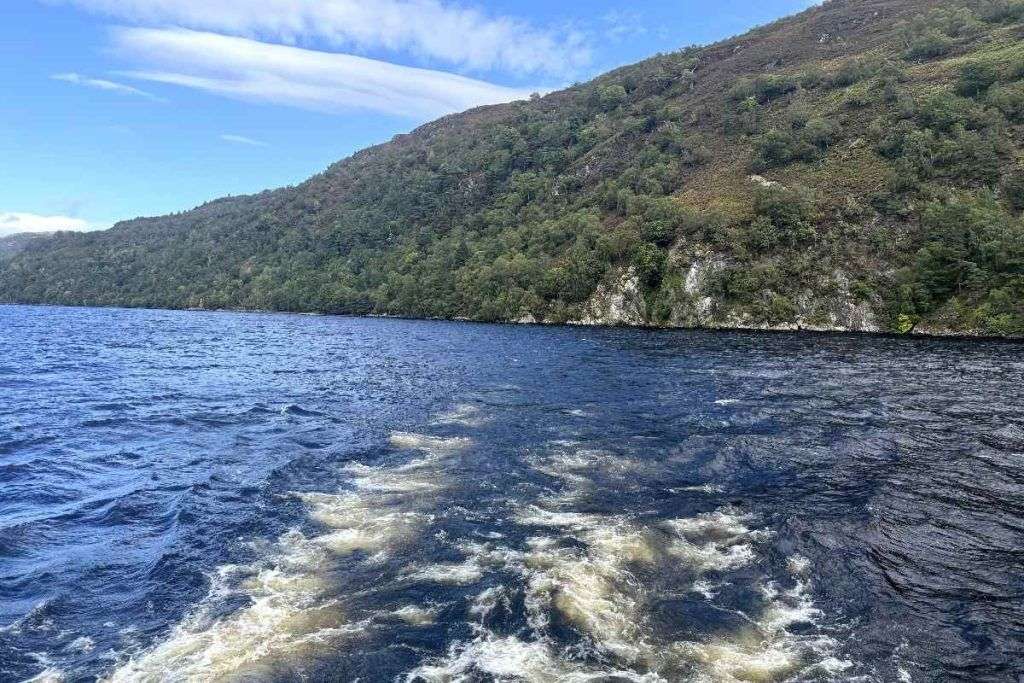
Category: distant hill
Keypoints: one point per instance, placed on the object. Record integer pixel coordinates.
(857, 166)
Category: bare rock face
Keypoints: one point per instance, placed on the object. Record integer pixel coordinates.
(828, 306)
(694, 302)
(703, 306)
(842, 311)
(619, 302)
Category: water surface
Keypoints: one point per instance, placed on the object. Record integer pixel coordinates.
(193, 496)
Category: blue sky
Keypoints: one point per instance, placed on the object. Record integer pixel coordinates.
(121, 108)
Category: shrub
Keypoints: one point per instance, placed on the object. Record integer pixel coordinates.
(745, 118)
(649, 263)
(934, 34)
(762, 235)
(695, 151)
(1002, 311)
(857, 100)
(611, 97)
(663, 220)
(928, 45)
(781, 147)
(943, 111)
(891, 78)
(791, 211)
(821, 132)
(976, 78)
(969, 157)
(854, 71)
(1001, 11)
(763, 88)
(1008, 99)
(813, 77)
(778, 148)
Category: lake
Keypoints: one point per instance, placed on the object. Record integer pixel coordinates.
(218, 496)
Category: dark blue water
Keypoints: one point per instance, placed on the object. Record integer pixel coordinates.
(193, 497)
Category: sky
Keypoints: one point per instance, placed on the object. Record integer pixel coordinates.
(114, 109)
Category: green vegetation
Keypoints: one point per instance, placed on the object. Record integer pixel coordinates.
(892, 181)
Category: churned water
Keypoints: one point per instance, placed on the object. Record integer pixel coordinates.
(235, 497)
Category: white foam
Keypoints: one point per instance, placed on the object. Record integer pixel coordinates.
(488, 601)
(463, 414)
(459, 574)
(82, 644)
(798, 565)
(709, 489)
(512, 659)
(292, 611)
(360, 522)
(768, 651)
(569, 463)
(742, 659)
(290, 614)
(714, 541)
(704, 588)
(384, 480)
(430, 444)
(416, 615)
(48, 675)
(595, 590)
(592, 587)
(591, 592)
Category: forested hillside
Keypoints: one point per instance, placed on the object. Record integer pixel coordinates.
(858, 166)
(12, 244)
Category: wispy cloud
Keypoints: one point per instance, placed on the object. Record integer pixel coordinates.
(242, 140)
(322, 81)
(14, 223)
(434, 30)
(103, 84)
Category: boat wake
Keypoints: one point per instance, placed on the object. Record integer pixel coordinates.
(586, 590)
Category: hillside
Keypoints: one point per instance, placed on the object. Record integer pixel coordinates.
(857, 166)
(13, 244)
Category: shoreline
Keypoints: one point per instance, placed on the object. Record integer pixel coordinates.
(932, 335)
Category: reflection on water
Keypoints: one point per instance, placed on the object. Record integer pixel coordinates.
(249, 497)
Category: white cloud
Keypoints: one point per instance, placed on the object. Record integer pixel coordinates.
(14, 223)
(242, 140)
(322, 81)
(103, 84)
(431, 29)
